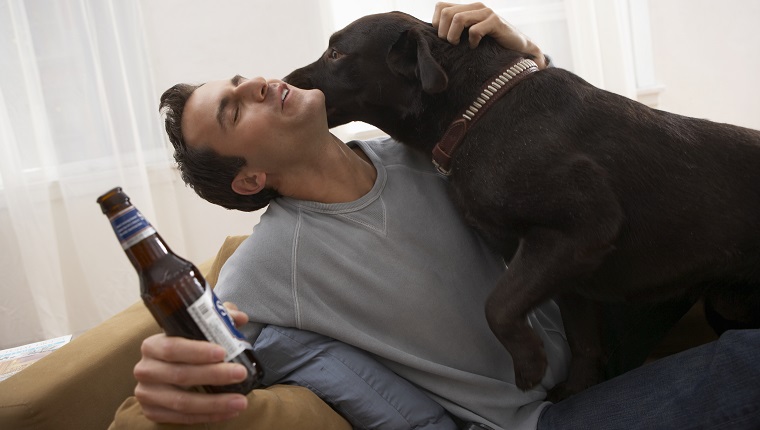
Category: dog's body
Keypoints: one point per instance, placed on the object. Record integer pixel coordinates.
(585, 193)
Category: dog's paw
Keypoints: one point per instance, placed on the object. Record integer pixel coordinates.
(530, 367)
(559, 392)
(573, 385)
(564, 390)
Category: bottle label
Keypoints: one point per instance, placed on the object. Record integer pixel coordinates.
(215, 322)
(131, 227)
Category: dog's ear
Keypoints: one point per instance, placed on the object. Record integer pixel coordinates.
(410, 57)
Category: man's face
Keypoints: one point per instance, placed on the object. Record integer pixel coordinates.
(268, 123)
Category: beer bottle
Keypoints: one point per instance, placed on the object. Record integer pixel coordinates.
(175, 292)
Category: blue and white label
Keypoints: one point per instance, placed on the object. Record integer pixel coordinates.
(216, 324)
(131, 227)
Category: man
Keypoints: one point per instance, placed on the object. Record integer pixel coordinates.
(360, 243)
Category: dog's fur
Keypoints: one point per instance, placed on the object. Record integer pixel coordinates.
(587, 194)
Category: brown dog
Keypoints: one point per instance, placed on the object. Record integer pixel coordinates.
(587, 194)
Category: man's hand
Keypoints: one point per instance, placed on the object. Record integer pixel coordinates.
(451, 19)
(171, 365)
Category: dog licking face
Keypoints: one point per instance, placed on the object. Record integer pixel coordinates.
(589, 196)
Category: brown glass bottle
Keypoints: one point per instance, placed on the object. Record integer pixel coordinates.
(175, 292)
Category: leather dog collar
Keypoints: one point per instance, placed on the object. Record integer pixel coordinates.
(490, 93)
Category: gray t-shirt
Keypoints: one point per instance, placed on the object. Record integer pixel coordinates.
(398, 274)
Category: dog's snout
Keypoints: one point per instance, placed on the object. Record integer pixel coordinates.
(299, 78)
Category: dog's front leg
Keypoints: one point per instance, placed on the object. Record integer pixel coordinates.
(507, 315)
(545, 264)
(578, 218)
(582, 320)
(550, 262)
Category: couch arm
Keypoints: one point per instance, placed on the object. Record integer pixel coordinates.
(80, 385)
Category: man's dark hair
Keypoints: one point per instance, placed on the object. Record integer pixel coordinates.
(205, 171)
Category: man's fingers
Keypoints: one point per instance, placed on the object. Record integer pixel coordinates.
(481, 23)
(437, 12)
(239, 317)
(451, 19)
(181, 350)
(185, 362)
(170, 364)
(162, 403)
(188, 375)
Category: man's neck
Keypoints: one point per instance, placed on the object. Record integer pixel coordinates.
(339, 174)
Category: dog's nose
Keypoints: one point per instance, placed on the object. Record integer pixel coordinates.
(299, 79)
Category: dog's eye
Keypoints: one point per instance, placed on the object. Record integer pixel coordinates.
(334, 54)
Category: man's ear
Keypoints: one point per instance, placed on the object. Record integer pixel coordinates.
(410, 57)
(249, 182)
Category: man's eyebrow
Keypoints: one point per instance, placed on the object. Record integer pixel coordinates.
(235, 81)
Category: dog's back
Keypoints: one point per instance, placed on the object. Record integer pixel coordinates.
(689, 188)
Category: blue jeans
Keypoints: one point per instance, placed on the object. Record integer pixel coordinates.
(713, 386)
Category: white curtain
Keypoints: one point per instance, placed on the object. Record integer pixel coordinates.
(77, 117)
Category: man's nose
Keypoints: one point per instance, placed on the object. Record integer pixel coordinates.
(255, 88)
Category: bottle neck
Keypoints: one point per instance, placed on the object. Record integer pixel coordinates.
(138, 238)
(147, 251)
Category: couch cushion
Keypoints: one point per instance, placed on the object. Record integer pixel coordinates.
(277, 407)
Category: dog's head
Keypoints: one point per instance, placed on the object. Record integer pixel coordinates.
(376, 70)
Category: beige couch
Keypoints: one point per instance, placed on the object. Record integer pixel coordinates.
(81, 385)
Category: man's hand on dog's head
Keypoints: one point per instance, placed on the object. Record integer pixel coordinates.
(451, 19)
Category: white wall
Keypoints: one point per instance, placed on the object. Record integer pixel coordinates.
(707, 54)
